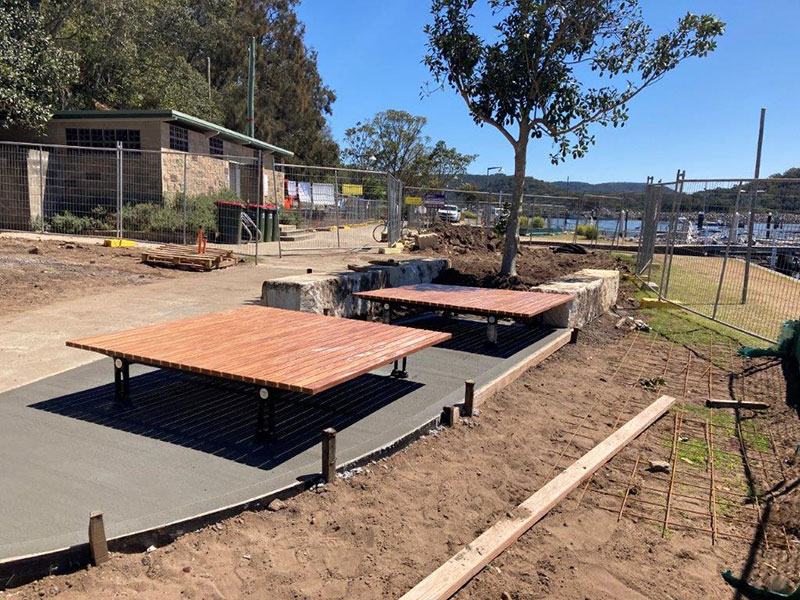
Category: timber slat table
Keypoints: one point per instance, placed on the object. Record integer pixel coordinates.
(273, 349)
(491, 303)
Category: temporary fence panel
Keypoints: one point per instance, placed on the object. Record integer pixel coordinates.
(327, 207)
(728, 250)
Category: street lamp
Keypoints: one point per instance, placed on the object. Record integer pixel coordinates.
(498, 169)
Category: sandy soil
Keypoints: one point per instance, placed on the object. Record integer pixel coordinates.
(38, 272)
(378, 532)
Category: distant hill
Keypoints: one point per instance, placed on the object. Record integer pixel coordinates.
(499, 182)
(610, 187)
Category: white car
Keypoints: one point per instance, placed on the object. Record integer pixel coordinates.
(450, 212)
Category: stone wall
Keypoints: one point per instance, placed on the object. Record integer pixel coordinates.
(334, 292)
(593, 291)
(204, 174)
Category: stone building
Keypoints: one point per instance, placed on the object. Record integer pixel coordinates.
(75, 166)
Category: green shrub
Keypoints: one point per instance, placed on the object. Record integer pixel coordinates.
(100, 219)
(523, 222)
(589, 231)
(538, 223)
(469, 214)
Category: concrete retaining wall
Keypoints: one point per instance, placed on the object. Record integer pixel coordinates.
(334, 292)
(594, 292)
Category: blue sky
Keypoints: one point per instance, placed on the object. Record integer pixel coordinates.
(702, 118)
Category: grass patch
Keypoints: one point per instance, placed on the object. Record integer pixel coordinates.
(682, 327)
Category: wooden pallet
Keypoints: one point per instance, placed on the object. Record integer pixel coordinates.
(175, 255)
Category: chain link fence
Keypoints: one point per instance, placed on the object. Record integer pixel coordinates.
(243, 203)
(728, 250)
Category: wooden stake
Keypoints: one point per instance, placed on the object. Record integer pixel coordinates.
(469, 398)
(97, 538)
(329, 454)
(452, 575)
(573, 337)
(737, 404)
(451, 415)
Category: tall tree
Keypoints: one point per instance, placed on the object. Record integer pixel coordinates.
(154, 53)
(552, 68)
(34, 71)
(394, 141)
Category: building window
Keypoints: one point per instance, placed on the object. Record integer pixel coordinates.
(104, 138)
(178, 138)
(215, 146)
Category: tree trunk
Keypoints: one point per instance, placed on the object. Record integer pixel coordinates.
(509, 266)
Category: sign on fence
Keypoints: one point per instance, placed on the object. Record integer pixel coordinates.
(413, 200)
(352, 189)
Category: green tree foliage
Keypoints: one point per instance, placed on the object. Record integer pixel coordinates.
(34, 71)
(394, 141)
(153, 54)
(552, 68)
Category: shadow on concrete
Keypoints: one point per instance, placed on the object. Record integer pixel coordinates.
(219, 417)
(469, 335)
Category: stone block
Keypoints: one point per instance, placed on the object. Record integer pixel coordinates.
(593, 291)
(316, 293)
(426, 240)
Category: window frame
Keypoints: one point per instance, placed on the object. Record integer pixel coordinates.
(178, 138)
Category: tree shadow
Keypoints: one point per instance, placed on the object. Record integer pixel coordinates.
(218, 417)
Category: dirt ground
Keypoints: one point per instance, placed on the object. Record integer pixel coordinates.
(376, 533)
(475, 255)
(629, 533)
(38, 272)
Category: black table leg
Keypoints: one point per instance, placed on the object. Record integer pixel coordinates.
(400, 373)
(122, 381)
(491, 330)
(387, 313)
(267, 399)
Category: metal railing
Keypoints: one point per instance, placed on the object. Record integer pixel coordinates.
(726, 249)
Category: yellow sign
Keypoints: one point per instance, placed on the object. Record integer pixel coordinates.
(413, 200)
(352, 189)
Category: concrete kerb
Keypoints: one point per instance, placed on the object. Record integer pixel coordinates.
(334, 292)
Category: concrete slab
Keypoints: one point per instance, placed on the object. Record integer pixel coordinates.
(186, 447)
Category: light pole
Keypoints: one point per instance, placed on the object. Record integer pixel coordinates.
(499, 172)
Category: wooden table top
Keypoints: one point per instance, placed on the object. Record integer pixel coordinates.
(277, 348)
(481, 301)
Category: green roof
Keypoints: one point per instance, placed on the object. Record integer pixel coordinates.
(171, 115)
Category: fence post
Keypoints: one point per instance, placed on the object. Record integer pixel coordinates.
(277, 203)
(184, 198)
(259, 199)
(119, 190)
(336, 201)
(676, 207)
(41, 187)
(751, 223)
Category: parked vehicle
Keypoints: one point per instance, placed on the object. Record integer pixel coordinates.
(450, 212)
